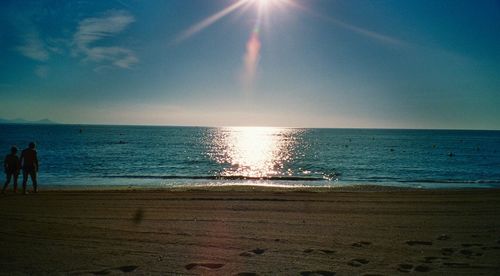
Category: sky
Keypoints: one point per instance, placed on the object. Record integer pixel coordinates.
(293, 63)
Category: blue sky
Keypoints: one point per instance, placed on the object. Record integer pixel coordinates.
(322, 63)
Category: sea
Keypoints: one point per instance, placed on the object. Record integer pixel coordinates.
(98, 156)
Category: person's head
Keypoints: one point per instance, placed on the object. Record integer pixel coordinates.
(13, 150)
(32, 145)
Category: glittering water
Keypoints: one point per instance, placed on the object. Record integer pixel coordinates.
(166, 156)
(254, 152)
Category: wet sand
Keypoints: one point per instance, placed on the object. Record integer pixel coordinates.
(250, 231)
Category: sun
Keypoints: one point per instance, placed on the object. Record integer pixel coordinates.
(267, 3)
(263, 2)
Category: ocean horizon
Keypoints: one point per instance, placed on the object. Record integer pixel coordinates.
(104, 156)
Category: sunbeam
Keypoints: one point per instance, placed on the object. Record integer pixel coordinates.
(208, 21)
(254, 45)
(350, 27)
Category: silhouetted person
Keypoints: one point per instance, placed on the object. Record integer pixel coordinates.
(11, 167)
(29, 163)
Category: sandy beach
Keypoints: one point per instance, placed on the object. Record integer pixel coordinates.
(251, 231)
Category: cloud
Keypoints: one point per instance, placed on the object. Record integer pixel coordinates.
(93, 30)
(57, 45)
(117, 56)
(33, 47)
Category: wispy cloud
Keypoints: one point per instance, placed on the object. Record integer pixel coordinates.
(95, 29)
(117, 56)
(33, 47)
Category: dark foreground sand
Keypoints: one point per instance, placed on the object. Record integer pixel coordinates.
(231, 231)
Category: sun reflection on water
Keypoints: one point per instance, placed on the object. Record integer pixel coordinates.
(254, 152)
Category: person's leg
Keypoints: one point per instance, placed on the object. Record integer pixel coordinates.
(7, 181)
(25, 179)
(33, 180)
(16, 176)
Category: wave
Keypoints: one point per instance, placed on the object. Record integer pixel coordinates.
(222, 177)
(388, 179)
(452, 181)
(303, 178)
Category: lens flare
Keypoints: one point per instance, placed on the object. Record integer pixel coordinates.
(253, 45)
(262, 2)
(266, 3)
(252, 56)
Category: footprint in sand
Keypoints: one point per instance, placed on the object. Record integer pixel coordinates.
(124, 269)
(258, 251)
(251, 253)
(407, 268)
(467, 253)
(325, 251)
(422, 268)
(443, 237)
(203, 265)
(490, 247)
(431, 259)
(470, 253)
(412, 243)
(361, 244)
(457, 265)
(318, 273)
(358, 262)
(447, 251)
(471, 244)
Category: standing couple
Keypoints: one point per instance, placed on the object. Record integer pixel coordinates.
(28, 163)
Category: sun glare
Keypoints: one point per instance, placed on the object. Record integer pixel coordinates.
(253, 151)
(263, 2)
(268, 3)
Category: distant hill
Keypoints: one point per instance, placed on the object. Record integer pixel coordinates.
(24, 121)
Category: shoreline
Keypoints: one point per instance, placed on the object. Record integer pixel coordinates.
(249, 188)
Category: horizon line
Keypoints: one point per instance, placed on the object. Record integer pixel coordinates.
(241, 126)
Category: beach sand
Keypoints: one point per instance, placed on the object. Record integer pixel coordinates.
(252, 231)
